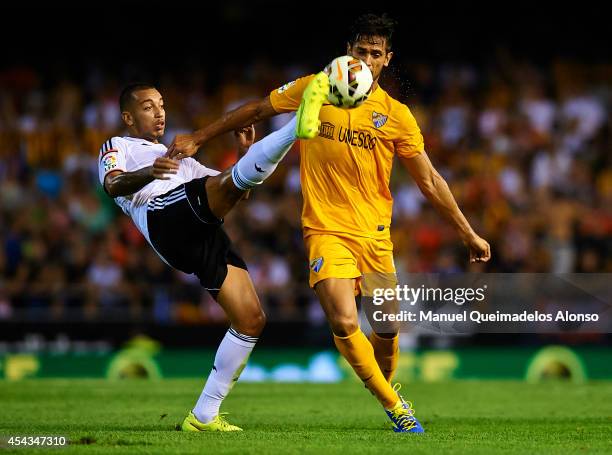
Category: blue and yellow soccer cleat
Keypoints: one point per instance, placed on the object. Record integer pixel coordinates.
(191, 423)
(402, 416)
(307, 116)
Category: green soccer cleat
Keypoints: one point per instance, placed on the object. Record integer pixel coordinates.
(191, 423)
(307, 117)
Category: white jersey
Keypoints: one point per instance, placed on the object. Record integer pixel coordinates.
(129, 154)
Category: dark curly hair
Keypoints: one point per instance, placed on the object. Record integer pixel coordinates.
(370, 25)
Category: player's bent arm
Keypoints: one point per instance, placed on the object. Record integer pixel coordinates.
(436, 190)
(120, 183)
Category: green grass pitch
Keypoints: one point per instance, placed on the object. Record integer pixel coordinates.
(485, 417)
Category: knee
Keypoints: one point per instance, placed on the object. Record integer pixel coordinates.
(258, 322)
(344, 325)
(251, 322)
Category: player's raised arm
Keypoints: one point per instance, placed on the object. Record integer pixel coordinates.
(436, 190)
(283, 99)
(119, 183)
(185, 145)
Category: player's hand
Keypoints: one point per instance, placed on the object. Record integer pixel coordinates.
(163, 166)
(245, 138)
(183, 146)
(480, 250)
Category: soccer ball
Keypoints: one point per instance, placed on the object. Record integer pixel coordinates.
(350, 82)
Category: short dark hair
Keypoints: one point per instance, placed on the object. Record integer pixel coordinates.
(369, 25)
(128, 91)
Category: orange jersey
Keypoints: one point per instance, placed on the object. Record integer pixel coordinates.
(345, 170)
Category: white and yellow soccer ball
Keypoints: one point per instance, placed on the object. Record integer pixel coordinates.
(350, 82)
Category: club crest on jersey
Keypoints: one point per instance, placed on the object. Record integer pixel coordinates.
(379, 119)
(316, 264)
(109, 162)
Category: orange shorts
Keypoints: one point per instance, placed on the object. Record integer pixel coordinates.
(345, 256)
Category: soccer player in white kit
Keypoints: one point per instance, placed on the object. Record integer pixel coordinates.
(179, 205)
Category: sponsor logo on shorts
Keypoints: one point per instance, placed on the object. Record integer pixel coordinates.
(316, 264)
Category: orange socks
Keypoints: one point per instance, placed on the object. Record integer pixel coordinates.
(358, 351)
(386, 352)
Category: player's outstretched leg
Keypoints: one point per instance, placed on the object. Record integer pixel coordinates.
(260, 161)
(313, 98)
(263, 157)
(239, 300)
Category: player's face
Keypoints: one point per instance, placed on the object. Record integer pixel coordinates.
(373, 51)
(146, 116)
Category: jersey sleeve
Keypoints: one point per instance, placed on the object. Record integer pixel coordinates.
(112, 158)
(410, 140)
(288, 97)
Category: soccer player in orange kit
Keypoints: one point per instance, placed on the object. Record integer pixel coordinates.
(346, 216)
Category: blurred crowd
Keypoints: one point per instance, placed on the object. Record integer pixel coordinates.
(525, 149)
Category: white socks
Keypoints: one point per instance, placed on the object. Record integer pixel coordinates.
(263, 157)
(230, 360)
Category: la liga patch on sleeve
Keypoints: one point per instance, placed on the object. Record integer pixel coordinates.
(109, 161)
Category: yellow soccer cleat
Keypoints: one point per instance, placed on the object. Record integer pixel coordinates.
(307, 117)
(191, 423)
